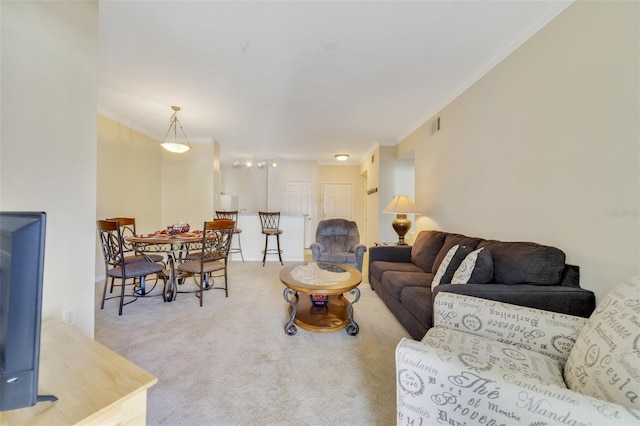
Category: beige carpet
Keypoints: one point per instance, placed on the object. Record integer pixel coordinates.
(231, 363)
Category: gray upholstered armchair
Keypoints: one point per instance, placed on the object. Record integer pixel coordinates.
(338, 240)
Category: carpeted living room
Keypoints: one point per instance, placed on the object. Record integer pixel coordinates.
(532, 156)
(232, 363)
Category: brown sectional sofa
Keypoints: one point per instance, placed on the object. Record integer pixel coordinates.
(524, 273)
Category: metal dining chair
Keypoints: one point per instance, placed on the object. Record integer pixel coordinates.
(128, 229)
(216, 241)
(270, 222)
(232, 215)
(117, 268)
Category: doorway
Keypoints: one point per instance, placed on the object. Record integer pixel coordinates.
(337, 201)
(298, 196)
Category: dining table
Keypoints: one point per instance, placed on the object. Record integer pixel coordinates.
(175, 246)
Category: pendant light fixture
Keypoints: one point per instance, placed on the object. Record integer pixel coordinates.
(173, 145)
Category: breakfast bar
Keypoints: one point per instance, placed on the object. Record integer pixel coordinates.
(291, 240)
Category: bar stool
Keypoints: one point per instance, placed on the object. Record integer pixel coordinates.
(270, 222)
(233, 215)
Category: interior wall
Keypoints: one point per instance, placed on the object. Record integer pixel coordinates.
(387, 190)
(187, 186)
(288, 170)
(217, 176)
(370, 169)
(404, 184)
(129, 173)
(386, 175)
(48, 140)
(248, 184)
(545, 147)
(252, 185)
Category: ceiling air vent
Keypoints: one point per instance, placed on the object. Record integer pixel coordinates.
(435, 126)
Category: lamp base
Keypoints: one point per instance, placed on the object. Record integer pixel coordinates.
(401, 225)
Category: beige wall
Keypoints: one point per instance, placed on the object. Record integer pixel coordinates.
(187, 186)
(48, 140)
(391, 175)
(373, 211)
(129, 175)
(545, 147)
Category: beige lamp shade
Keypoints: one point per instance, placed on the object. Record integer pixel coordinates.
(401, 205)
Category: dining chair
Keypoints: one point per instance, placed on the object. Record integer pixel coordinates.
(128, 229)
(232, 215)
(216, 242)
(270, 222)
(117, 268)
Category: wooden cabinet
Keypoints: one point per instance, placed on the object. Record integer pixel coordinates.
(94, 385)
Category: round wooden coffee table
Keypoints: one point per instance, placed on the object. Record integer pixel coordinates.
(315, 280)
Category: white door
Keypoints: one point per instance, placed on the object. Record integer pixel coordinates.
(298, 197)
(337, 201)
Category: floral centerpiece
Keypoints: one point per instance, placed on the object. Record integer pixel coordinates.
(178, 228)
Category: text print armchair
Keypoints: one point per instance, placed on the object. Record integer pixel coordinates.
(492, 363)
(338, 240)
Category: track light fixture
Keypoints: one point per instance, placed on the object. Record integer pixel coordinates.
(261, 163)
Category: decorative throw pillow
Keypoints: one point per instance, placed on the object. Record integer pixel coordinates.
(605, 360)
(449, 264)
(476, 268)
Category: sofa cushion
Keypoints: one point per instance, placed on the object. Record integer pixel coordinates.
(425, 248)
(450, 263)
(525, 263)
(476, 268)
(452, 240)
(394, 282)
(338, 256)
(379, 267)
(605, 360)
(494, 359)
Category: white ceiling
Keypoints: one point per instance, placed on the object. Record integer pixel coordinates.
(256, 76)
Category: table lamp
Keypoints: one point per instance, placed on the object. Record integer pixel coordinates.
(401, 205)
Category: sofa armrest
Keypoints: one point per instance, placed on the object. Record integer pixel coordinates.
(545, 332)
(316, 249)
(434, 386)
(390, 253)
(358, 249)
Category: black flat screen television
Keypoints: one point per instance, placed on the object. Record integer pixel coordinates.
(22, 241)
